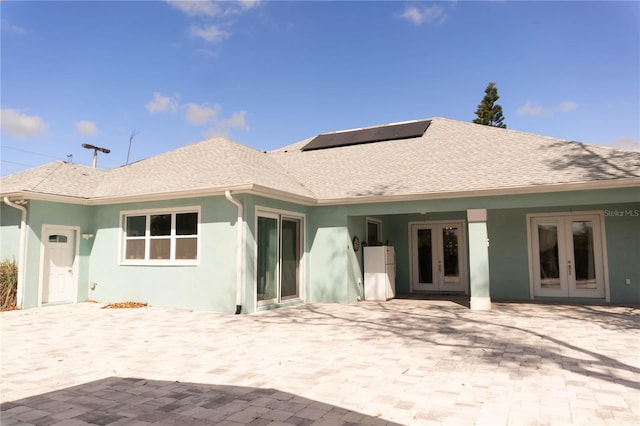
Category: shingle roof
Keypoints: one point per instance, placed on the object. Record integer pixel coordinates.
(454, 156)
(450, 157)
(59, 178)
(214, 163)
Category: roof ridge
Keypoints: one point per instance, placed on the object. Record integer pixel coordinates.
(610, 148)
(60, 163)
(165, 153)
(494, 128)
(236, 164)
(271, 155)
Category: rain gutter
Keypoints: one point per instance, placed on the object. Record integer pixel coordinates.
(21, 254)
(239, 251)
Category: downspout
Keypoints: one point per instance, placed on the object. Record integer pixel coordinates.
(21, 254)
(239, 251)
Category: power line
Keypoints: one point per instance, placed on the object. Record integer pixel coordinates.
(17, 164)
(31, 152)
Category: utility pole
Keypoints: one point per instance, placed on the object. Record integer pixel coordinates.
(95, 152)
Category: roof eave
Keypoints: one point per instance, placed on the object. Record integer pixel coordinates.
(268, 192)
(519, 190)
(41, 196)
(173, 195)
(283, 195)
(258, 190)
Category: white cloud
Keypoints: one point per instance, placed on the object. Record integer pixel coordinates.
(417, 14)
(196, 114)
(161, 103)
(530, 109)
(249, 4)
(538, 111)
(626, 144)
(211, 33)
(196, 8)
(87, 128)
(12, 28)
(213, 9)
(237, 120)
(221, 127)
(567, 106)
(200, 115)
(210, 15)
(207, 52)
(22, 125)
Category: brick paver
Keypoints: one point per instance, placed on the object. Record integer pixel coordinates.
(428, 362)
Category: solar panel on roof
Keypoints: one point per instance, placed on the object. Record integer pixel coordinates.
(373, 134)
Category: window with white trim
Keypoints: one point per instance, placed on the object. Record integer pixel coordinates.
(161, 236)
(373, 231)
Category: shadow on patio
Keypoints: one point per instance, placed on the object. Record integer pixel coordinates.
(520, 338)
(119, 400)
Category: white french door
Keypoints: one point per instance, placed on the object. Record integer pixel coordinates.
(438, 256)
(567, 256)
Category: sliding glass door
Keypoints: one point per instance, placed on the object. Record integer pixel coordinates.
(289, 258)
(278, 258)
(267, 258)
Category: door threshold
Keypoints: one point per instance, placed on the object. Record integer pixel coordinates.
(458, 298)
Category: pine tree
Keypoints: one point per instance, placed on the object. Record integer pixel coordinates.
(489, 113)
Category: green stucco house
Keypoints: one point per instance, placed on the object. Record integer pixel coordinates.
(491, 213)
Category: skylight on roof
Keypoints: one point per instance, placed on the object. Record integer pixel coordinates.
(373, 134)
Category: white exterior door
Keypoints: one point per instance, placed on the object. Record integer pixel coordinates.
(438, 256)
(58, 272)
(567, 256)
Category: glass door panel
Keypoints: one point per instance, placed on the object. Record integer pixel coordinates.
(583, 255)
(267, 258)
(290, 275)
(425, 260)
(548, 255)
(550, 258)
(450, 262)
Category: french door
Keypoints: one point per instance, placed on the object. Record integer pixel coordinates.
(278, 258)
(567, 256)
(438, 256)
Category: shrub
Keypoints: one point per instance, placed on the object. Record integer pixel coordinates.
(8, 284)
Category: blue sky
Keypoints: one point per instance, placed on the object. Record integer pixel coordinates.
(268, 74)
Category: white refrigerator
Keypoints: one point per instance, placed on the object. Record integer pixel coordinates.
(379, 273)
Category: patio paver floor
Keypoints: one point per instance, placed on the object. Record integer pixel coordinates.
(402, 362)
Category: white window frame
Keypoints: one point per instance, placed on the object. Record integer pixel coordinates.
(172, 261)
(377, 222)
(279, 214)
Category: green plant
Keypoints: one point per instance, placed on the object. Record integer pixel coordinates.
(8, 284)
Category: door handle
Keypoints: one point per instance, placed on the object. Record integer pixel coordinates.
(439, 266)
(569, 267)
